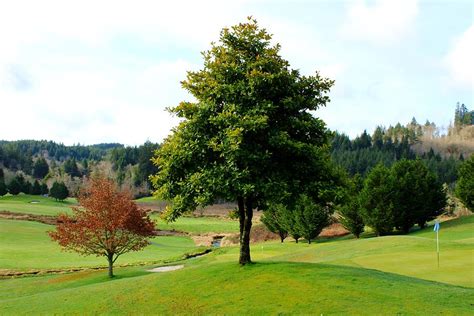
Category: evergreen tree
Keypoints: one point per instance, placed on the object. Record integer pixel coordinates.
(85, 166)
(36, 189)
(310, 218)
(59, 191)
(44, 189)
(465, 184)
(40, 168)
(290, 225)
(3, 187)
(350, 212)
(70, 167)
(377, 138)
(273, 218)
(376, 200)
(362, 141)
(15, 187)
(27, 188)
(145, 164)
(418, 195)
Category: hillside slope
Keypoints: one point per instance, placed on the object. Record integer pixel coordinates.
(331, 278)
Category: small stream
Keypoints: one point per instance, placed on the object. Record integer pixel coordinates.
(216, 241)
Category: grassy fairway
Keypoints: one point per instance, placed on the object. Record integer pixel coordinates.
(200, 225)
(41, 205)
(386, 275)
(226, 288)
(25, 245)
(411, 255)
(48, 206)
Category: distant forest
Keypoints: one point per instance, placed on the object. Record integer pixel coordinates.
(46, 162)
(442, 153)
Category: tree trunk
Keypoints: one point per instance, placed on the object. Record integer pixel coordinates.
(296, 239)
(309, 240)
(245, 218)
(110, 258)
(282, 236)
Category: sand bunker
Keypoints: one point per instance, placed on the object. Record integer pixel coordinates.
(166, 269)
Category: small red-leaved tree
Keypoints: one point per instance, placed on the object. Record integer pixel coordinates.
(107, 223)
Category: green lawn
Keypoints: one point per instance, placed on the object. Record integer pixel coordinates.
(411, 255)
(226, 288)
(25, 245)
(200, 225)
(387, 275)
(22, 203)
(147, 199)
(47, 206)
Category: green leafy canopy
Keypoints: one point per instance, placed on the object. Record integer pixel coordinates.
(250, 133)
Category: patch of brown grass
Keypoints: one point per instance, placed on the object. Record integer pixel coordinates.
(334, 230)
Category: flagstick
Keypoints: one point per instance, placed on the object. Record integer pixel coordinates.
(437, 244)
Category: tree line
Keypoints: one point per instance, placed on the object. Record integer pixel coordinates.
(388, 200)
(45, 160)
(387, 146)
(19, 184)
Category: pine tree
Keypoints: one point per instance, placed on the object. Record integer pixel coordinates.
(465, 184)
(40, 168)
(3, 187)
(376, 200)
(59, 191)
(273, 218)
(36, 189)
(350, 212)
(310, 218)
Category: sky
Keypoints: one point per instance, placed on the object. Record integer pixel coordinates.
(105, 71)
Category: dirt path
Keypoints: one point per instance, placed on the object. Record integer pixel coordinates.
(45, 219)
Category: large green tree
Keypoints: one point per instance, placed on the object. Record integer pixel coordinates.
(59, 191)
(418, 197)
(465, 184)
(376, 200)
(350, 210)
(250, 137)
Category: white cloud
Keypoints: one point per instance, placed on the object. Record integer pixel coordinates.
(385, 22)
(460, 62)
